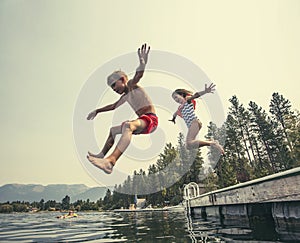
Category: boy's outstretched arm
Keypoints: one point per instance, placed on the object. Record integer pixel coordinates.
(143, 58)
(209, 89)
(110, 107)
(94, 113)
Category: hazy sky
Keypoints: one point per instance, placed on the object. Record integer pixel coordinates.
(49, 49)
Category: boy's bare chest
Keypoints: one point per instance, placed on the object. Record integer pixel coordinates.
(137, 98)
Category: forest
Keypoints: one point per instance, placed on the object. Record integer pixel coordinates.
(51, 205)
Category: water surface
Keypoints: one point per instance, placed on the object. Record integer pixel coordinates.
(116, 227)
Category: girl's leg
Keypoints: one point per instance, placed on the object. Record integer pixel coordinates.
(191, 141)
(109, 141)
(106, 164)
(193, 131)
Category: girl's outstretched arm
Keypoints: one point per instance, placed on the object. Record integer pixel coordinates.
(209, 89)
(174, 117)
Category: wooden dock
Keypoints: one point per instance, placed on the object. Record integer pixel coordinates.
(269, 205)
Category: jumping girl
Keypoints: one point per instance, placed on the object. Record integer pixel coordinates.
(186, 110)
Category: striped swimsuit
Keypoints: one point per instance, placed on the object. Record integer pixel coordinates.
(187, 113)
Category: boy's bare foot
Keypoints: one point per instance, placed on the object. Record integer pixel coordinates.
(101, 163)
(218, 146)
(100, 155)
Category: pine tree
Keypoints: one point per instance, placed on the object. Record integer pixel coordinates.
(219, 134)
(211, 181)
(139, 184)
(280, 108)
(66, 203)
(295, 138)
(241, 117)
(284, 119)
(107, 200)
(226, 172)
(263, 131)
(229, 166)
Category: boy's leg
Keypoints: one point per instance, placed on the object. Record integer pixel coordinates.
(109, 141)
(128, 128)
(106, 164)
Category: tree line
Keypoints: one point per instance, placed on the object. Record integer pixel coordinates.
(51, 205)
(257, 143)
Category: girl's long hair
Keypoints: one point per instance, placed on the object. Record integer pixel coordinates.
(183, 92)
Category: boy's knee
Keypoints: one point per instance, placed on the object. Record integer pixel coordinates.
(127, 126)
(113, 131)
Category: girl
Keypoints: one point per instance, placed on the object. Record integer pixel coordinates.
(186, 110)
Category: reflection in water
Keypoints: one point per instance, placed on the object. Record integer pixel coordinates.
(212, 231)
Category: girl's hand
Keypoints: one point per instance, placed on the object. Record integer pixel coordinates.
(173, 120)
(210, 88)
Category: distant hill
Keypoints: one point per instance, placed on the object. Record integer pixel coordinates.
(32, 192)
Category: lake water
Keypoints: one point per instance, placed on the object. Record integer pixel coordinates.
(116, 227)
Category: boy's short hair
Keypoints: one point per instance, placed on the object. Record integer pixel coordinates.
(115, 76)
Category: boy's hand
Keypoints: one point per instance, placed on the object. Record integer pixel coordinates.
(210, 88)
(143, 54)
(92, 115)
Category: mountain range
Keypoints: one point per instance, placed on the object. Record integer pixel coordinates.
(35, 192)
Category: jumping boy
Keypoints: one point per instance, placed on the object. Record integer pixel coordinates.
(137, 98)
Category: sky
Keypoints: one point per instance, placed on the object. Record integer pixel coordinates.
(50, 51)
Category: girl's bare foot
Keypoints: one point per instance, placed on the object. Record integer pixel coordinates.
(101, 163)
(216, 145)
(100, 155)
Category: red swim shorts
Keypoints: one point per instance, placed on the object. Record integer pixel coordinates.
(152, 122)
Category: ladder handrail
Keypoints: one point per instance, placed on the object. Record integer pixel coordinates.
(191, 190)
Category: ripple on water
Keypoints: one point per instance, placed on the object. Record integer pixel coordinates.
(115, 227)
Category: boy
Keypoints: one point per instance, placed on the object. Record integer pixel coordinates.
(137, 98)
